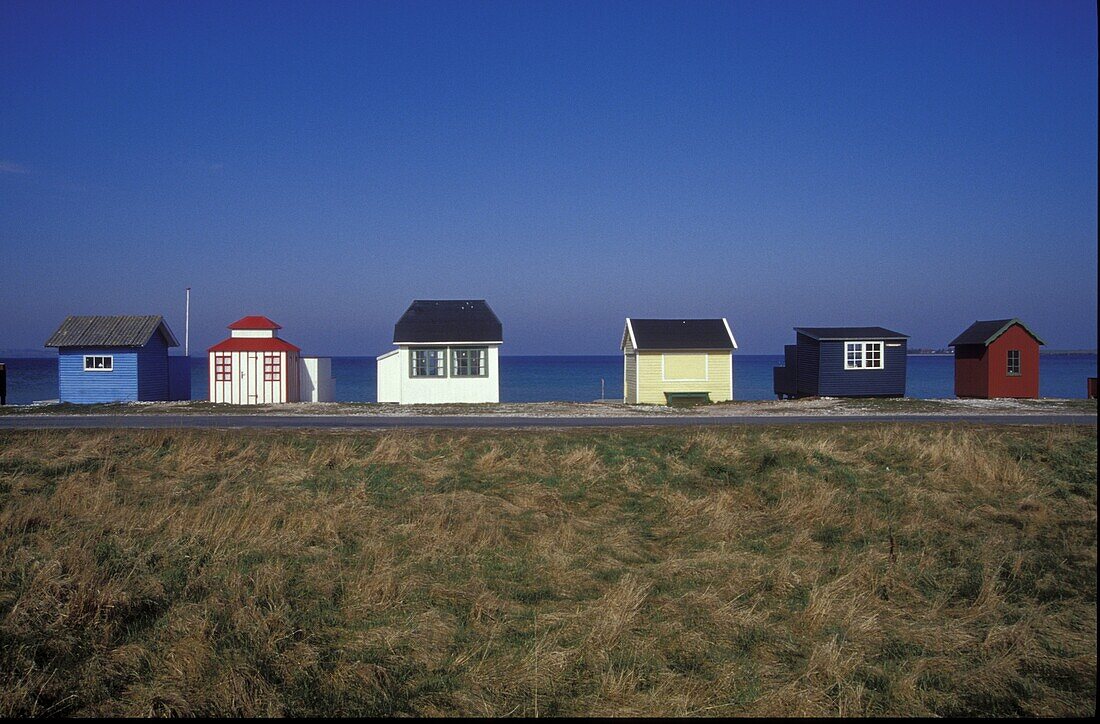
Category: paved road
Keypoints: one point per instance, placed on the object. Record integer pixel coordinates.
(368, 422)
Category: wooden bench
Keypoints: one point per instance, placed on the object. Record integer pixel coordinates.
(683, 399)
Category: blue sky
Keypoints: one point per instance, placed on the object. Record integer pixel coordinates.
(917, 165)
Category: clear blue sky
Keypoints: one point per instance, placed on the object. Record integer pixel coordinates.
(917, 165)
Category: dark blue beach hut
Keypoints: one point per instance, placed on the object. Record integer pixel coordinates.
(118, 359)
(843, 362)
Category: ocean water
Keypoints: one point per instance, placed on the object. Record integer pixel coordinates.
(583, 379)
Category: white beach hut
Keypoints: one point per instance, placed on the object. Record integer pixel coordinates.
(447, 351)
(253, 366)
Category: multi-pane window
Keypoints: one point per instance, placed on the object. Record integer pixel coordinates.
(272, 367)
(427, 363)
(863, 356)
(469, 362)
(223, 367)
(99, 363)
(1014, 362)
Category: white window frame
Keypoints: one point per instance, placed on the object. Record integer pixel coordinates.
(442, 351)
(860, 348)
(1019, 364)
(483, 362)
(109, 357)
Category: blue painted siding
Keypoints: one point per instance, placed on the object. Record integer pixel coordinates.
(179, 378)
(806, 377)
(77, 385)
(835, 381)
(137, 374)
(153, 370)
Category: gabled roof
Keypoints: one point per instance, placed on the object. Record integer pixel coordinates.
(654, 334)
(111, 331)
(985, 332)
(254, 344)
(428, 321)
(822, 334)
(254, 321)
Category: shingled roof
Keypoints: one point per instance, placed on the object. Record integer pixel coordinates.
(841, 333)
(652, 334)
(111, 331)
(985, 332)
(429, 321)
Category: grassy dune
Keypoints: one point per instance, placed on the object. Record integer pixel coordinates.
(844, 570)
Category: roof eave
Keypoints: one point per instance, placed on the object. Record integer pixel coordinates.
(437, 343)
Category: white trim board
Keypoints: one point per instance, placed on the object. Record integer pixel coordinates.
(732, 340)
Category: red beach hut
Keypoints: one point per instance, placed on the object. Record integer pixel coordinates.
(997, 358)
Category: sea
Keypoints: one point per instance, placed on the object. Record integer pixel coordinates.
(584, 379)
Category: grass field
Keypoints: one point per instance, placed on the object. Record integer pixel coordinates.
(905, 570)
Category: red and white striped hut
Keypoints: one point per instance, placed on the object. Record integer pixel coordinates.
(253, 366)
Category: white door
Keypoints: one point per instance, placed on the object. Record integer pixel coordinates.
(253, 378)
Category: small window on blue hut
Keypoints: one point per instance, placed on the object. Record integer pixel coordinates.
(863, 356)
(98, 363)
(1014, 363)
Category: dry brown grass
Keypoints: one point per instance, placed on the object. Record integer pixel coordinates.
(898, 570)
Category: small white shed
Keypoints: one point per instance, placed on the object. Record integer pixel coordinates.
(315, 381)
(447, 351)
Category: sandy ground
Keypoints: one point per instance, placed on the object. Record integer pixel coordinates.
(815, 406)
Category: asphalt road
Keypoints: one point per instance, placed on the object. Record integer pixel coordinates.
(370, 422)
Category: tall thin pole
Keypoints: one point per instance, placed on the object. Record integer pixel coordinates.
(187, 325)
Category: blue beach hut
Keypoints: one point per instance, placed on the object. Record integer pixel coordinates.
(843, 362)
(118, 359)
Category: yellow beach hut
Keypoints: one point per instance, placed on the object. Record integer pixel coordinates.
(673, 361)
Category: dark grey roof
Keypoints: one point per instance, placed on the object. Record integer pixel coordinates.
(447, 320)
(114, 331)
(681, 334)
(984, 332)
(837, 333)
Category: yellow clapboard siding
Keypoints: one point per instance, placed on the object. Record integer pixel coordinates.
(654, 368)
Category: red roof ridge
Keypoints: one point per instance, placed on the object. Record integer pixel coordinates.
(255, 321)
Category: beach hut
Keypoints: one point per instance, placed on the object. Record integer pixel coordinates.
(997, 358)
(843, 362)
(672, 361)
(255, 366)
(118, 359)
(447, 351)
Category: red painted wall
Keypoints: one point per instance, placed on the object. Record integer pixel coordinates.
(1027, 383)
(983, 371)
(971, 371)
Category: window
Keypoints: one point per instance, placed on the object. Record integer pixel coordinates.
(272, 367)
(223, 367)
(863, 356)
(427, 363)
(98, 363)
(1014, 363)
(685, 367)
(469, 362)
